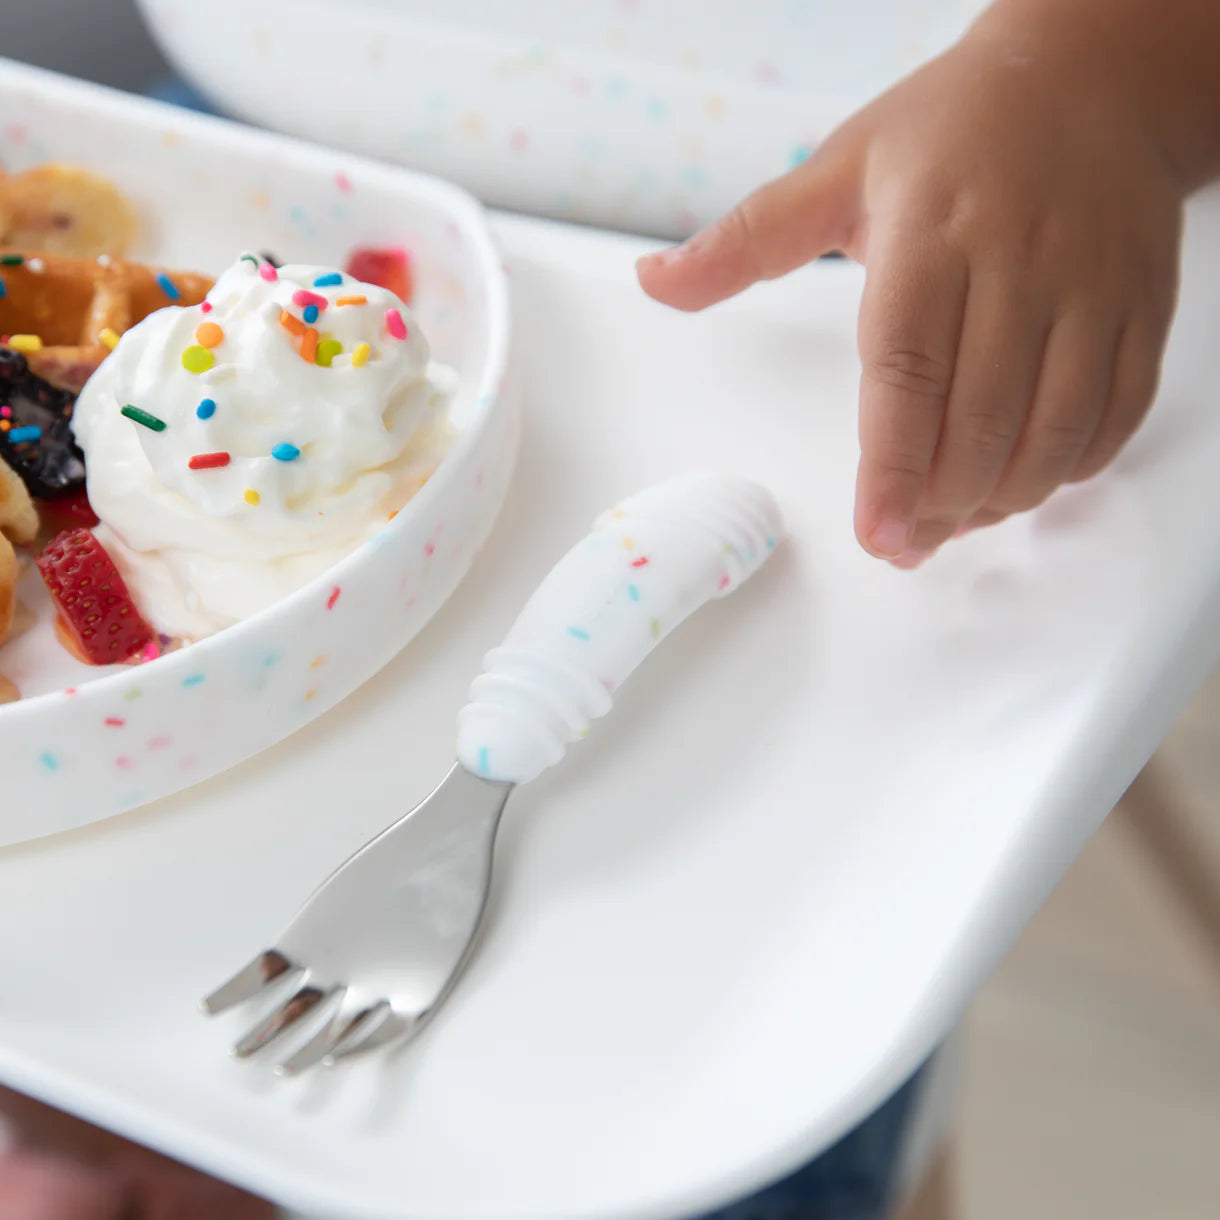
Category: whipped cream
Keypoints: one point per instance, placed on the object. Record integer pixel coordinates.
(237, 449)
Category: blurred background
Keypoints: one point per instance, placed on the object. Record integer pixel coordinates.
(1091, 1082)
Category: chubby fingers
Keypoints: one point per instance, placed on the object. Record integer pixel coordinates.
(910, 331)
(782, 226)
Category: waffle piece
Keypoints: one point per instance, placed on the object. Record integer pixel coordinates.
(71, 306)
(8, 586)
(65, 210)
(18, 516)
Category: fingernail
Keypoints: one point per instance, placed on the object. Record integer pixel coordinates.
(889, 539)
(665, 258)
(908, 561)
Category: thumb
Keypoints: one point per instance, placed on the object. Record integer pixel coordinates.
(810, 211)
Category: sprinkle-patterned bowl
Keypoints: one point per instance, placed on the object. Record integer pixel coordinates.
(86, 743)
(651, 116)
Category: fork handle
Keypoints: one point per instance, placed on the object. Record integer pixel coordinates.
(603, 608)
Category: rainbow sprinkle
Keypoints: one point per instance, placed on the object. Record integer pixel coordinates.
(168, 287)
(250, 496)
(269, 273)
(357, 300)
(206, 409)
(205, 306)
(11, 260)
(6, 412)
(208, 461)
(291, 324)
(19, 436)
(109, 337)
(284, 452)
(3, 290)
(197, 359)
(248, 258)
(25, 343)
(301, 298)
(394, 324)
(360, 355)
(144, 417)
(309, 345)
(310, 314)
(330, 280)
(208, 334)
(328, 349)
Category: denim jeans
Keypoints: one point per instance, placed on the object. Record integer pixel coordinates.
(855, 1179)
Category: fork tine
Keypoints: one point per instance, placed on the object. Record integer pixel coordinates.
(283, 1018)
(350, 1020)
(372, 1035)
(248, 981)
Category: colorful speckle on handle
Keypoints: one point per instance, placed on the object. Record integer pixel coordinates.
(641, 562)
(114, 722)
(49, 761)
(193, 680)
(334, 597)
(633, 592)
(578, 633)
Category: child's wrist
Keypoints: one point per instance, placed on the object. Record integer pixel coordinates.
(1154, 63)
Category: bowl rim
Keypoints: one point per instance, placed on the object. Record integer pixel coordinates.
(460, 207)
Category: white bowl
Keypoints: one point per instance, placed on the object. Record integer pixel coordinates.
(647, 116)
(88, 743)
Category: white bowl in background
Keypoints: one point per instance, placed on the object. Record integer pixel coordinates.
(651, 117)
(87, 743)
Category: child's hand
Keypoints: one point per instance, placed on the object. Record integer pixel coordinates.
(1019, 217)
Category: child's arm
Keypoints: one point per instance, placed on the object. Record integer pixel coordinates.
(1017, 203)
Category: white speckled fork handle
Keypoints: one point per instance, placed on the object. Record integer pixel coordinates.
(603, 608)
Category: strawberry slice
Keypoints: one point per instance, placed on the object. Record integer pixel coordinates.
(67, 512)
(96, 611)
(388, 267)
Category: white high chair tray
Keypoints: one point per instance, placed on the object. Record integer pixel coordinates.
(749, 905)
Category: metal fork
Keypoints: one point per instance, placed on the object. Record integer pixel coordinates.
(381, 943)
